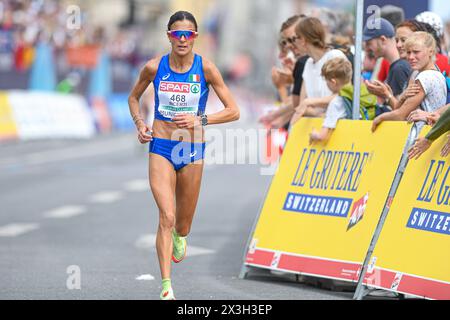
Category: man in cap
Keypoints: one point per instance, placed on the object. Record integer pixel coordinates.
(379, 38)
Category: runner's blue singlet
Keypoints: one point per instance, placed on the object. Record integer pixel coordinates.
(180, 93)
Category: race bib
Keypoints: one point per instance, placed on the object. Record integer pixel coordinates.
(178, 98)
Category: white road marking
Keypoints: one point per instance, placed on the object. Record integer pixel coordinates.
(145, 277)
(107, 197)
(138, 185)
(65, 212)
(17, 229)
(148, 241)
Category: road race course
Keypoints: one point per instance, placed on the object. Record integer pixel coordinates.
(84, 207)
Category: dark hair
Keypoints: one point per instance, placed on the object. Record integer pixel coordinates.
(415, 26)
(291, 21)
(180, 16)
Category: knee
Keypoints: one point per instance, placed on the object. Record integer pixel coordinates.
(166, 220)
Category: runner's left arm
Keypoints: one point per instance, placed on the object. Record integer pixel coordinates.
(231, 110)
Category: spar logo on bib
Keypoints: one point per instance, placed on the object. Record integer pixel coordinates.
(195, 88)
(175, 87)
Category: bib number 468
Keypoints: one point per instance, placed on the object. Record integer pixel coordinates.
(178, 98)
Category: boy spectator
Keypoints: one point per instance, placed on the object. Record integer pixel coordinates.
(338, 74)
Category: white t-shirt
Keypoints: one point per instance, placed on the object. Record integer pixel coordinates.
(335, 111)
(435, 87)
(315, 84)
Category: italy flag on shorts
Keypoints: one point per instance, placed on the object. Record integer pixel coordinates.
(194, 78)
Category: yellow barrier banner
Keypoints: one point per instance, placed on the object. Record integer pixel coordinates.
(325, 200)
(412, 254)
(8, 129)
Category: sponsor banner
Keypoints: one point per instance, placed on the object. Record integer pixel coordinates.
(8, 128)
(415, 238)
(41, 115)
(326, 199)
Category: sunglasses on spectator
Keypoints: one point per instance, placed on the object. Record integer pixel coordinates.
(187, 34)
(283, 42)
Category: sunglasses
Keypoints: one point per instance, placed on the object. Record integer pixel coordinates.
(284, 41)
(187, 34)
(292, 39)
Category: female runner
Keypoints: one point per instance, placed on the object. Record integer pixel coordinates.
(181, 80)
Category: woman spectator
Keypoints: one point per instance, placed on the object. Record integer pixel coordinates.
(421, 50)
(289, 57)
(282, 77)
(280, 118)
(407, 28)
(314, 95)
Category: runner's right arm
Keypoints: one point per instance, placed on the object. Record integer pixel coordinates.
(146, 76)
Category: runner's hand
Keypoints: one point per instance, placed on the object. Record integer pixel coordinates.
(186, 121)
(144, 133)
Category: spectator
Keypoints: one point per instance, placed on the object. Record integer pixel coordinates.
(338, 74)
(394, 15)
(422, 144)
(281, 117)
(282, 77)
(421, 49)
(382, 43)
(287, 39)
(315, 94)
(406, 28)
(299, 68)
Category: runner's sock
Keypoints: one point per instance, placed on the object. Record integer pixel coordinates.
(166, 284)
(167, 292)
(179, 247)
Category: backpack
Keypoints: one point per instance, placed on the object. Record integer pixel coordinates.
(368, 110)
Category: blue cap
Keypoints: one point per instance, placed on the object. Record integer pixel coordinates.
(379, 27)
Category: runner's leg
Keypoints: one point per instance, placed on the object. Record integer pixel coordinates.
(162, 183)
(188, 183)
